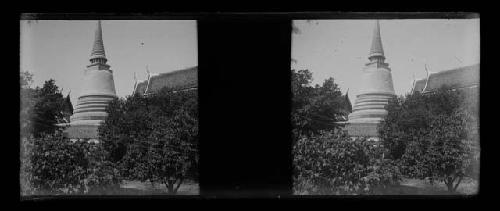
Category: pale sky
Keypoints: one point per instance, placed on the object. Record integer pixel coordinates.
(339, 48)
(60, 49)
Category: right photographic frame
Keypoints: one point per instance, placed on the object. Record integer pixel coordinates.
(385, 106)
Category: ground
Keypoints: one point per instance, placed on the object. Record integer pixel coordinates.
(420, 187)
(140, 188)
(146, 188)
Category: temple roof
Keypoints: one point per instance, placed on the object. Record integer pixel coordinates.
(457, 78)
(376, 49)
(98, 48)
(178, 80)
(465, 79)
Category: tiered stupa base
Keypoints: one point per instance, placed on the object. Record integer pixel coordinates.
(83, 130)
(368, 112)
(90, 112)
(362, 129)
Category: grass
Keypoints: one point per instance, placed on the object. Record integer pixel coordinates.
(468, 186)
(138, 188)
(146, 188)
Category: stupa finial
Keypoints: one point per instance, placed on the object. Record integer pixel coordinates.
(98, 48)
(376, 50)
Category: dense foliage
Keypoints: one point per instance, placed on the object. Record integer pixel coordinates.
(154, 138)
(429, 134)
(55, 165)
(316, 108)
(148, 138)
(40, 110)
(326, 160)
(27, 103)
(410, 116)
(51, 164)
(50, 108)
(333, 163)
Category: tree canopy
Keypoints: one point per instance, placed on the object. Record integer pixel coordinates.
(50, 109)
(155, 137)
(40, 110)
(316, 108)
(429, 134)
(27, 102)
(326, 160)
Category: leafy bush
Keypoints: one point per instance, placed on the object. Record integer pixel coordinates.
(332, 163)
(53, 165)
(58, 166)
(26, 166)
(102, 176)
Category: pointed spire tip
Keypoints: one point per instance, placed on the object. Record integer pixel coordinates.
(376, 48)
(98, 48)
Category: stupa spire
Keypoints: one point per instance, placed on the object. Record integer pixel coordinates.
(376, 50)
(98, 55)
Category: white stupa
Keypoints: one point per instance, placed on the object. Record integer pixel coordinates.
(98, 89)
(374, 94)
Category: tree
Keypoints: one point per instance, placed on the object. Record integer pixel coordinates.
(428, 134)
(154, 138)
(443, 154)
(48, 110)
(50, 163)
(68, 111)
(316, 108)
(26, 79)
(28, 100)
(409, 117)
(332, 163)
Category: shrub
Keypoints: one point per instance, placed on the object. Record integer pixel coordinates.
(336, 164)
(25, 171)
(102, 175)
(54, 165)
(58, 166)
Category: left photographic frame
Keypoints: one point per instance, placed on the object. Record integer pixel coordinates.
(108, 107)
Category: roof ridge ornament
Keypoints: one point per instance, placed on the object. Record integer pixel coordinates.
(427, 78)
